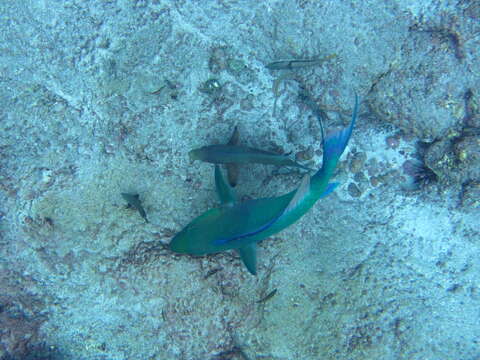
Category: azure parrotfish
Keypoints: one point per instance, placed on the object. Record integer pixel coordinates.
(240, 225)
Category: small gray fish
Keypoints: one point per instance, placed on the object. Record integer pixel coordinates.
(236, 154)
(134, 201)
(267, 297)
(297, 63)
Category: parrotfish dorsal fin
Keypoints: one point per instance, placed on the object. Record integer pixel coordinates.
(248, 254)
(235, 137)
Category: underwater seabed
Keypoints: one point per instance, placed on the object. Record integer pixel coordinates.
(101, 99)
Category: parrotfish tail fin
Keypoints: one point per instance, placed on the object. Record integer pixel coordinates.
(224, 191)
(335, 143)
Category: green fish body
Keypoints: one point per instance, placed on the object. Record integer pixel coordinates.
(240, 225)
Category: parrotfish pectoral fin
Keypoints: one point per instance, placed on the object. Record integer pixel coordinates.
(232, 174)
(224, 191)
(248, 254)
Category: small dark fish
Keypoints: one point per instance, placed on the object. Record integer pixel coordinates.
(134, 201)
(156, 92)
(267, 297)
(236, 154)
(48, 221)
(297, 63)
(168, 84)
(212, 272)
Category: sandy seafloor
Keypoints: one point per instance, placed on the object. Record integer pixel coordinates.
(103, 97)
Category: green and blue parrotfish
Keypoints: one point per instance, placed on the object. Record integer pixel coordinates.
(240, 225)
(133, 200)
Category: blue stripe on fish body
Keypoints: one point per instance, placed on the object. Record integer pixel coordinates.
(247, 234)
